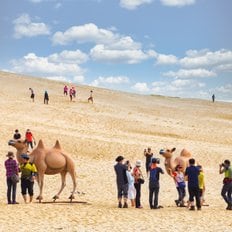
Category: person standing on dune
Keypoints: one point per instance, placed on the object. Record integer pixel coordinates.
(46, 97)
(32, 94)
(122, 181)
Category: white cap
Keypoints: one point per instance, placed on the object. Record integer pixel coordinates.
(138, 163)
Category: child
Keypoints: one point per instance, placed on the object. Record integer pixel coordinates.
(178, 177)
(201, 180)
(131, 187)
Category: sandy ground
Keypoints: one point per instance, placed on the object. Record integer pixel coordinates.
(94, 134)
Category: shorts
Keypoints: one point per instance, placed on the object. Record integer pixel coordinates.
(131, 192)
(123, 191)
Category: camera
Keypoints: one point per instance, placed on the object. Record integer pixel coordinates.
(223, 165)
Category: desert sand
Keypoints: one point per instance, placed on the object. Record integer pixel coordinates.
(94, 135)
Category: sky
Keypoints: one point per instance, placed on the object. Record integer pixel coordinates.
(179, 48)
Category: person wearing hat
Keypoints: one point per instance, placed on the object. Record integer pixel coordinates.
(11, 168)
(17, 135)
(137, 173)
(154, 185)
(226, 191)
(28, 173)
(122, 181)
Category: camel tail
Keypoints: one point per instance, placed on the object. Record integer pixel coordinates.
(57, 145)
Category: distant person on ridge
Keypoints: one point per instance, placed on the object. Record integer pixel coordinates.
(71, 94)
(90, 99)
(213, 98)
(65, 90)
(32, 94)
(46, 97)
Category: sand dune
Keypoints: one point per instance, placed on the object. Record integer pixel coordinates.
(94, 134)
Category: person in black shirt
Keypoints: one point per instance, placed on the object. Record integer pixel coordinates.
(46, 98)
(17, 135)
(148, 154)
(122, 181)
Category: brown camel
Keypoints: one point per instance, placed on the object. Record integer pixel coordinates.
(171, 162)
(48, 161)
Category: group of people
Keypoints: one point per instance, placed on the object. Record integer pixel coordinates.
(28, 174)
(29, 137)
(46, 97)
(72, 93)
(129, 181)
(13, 169)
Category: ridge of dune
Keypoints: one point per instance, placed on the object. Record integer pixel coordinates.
(94, 134)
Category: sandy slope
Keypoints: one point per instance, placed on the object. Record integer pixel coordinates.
(117, 123)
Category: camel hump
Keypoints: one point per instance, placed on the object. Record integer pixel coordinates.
(57, 145)
(40, 144)
(185, 153)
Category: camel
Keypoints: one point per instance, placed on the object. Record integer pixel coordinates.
(171, 162)
(48, 161)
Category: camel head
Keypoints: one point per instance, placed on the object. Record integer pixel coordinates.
(18, 144)
(167, 153)
(21, 147)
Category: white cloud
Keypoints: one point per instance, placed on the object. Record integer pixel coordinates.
(166, 59)
(85, 33)
(133, 4)
(24, 27)
(72, 57)
(206, 58)
(178, 3)
(178, 88)
(115, 80)
(109, 46)
(101, 53)
(42, 66)
(190, 73)
(141, 87)
(91, 33)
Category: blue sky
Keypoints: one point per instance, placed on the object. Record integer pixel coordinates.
(167, 47)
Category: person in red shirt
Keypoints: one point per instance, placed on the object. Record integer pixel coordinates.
(30, 138)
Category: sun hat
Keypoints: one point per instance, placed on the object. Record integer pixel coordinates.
(10, 154)
(138, 163)
(25, 156)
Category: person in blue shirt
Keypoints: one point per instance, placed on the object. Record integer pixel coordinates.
(122, 181)
(191, 173)
(154, 185)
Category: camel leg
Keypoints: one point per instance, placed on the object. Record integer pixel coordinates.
(40, 180)
(73, 176)
(63, 184)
